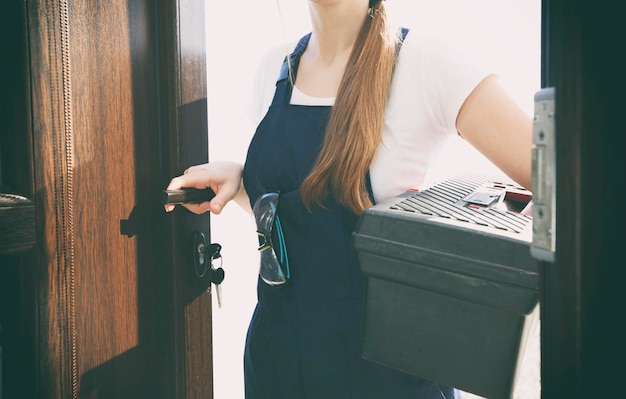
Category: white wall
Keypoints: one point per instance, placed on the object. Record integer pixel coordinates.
(504, 34)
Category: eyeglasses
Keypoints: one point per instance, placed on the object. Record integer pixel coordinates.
(274, 268)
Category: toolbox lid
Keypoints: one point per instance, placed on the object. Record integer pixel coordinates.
(471, 224)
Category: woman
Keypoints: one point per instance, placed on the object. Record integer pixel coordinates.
(353, 116)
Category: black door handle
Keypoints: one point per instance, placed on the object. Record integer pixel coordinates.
(187, 196)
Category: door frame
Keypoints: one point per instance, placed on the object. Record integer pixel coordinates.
(581, 293)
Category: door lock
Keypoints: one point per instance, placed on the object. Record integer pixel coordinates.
(203, 257)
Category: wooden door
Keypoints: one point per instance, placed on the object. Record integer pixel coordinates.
(112, 103)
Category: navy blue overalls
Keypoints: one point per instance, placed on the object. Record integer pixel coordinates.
(304, 337)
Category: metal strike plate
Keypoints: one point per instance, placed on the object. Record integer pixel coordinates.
(543, 244)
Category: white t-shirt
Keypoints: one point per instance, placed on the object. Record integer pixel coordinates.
(430, 83)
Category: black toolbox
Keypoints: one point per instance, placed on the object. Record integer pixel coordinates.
(452, 289)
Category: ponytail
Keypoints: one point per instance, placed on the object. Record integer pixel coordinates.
(355, 127)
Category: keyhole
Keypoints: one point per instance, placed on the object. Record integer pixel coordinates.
(201, 248)
(199, 254)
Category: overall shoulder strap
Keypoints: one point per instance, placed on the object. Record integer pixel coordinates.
(290, 64)
(287, 77)
(403, 33)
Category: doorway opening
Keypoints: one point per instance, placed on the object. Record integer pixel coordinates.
(507, 39)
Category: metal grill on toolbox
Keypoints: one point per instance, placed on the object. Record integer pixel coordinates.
(459, 199)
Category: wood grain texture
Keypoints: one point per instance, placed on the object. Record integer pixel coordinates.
(113, 96)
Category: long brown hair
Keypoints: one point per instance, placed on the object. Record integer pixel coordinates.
(354, 130)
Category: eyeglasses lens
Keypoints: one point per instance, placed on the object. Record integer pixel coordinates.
(267, 221)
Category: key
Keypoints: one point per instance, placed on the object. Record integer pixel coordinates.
(218, 294)
(217, 274)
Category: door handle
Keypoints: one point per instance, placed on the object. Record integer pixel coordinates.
(203, 254)
(187, 196)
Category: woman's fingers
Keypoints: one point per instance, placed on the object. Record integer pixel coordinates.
(224, 178)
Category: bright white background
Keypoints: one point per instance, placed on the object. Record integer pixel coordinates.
(504, 35)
